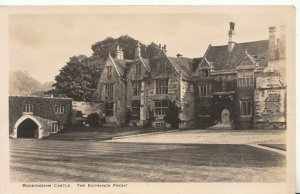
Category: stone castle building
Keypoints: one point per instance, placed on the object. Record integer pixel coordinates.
(237, 85)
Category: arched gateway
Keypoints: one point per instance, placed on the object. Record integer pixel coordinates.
(27, 126)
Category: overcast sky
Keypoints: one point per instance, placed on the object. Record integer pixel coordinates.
(41, 44)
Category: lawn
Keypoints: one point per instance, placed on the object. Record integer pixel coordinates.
(102, 133)
(93, 161)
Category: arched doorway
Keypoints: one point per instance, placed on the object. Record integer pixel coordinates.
(27, 126)
(28, 129)
(225, 117)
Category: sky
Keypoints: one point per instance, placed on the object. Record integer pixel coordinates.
(41, 44)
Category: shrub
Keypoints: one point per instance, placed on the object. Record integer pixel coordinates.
(93, 119)
(127, 116)
(172, 115)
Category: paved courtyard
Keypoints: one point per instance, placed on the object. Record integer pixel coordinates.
(98, 161)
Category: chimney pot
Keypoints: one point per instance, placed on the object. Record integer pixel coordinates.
(164, 49)
(119, 53)
(231, 24)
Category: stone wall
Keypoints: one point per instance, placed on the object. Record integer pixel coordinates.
(270, 105)
(133, 76)
(187, 115)
(42, 107)
(119, 94)
(173, 87)
(270, 102)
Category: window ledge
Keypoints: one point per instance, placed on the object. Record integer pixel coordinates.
(204, 115)
(27, 113)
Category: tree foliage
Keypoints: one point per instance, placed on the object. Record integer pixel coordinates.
(93, 119)
(128, 46)
(78, 79)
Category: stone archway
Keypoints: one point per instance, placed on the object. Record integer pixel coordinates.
(27, 127)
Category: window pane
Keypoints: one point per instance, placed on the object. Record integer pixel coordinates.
(249, 106)
(162, 86)
(164, 103)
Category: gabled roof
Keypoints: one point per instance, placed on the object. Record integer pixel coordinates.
(221, 59)
(205, 64)
(247, 62)
(182, 65)
(145, 62)
(196, 63)
(120, 65)
(252, 59)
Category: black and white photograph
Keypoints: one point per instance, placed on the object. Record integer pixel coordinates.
(113, 96)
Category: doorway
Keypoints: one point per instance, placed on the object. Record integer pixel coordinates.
(225, 117)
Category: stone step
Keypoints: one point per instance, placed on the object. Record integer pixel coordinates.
(221, 126)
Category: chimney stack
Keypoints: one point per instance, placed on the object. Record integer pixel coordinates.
(119, 53)
(282, 51)
(138, 50)
(164, 49)
(230, 34)
(272, 42)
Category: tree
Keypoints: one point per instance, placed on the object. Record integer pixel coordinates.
(172, 115)
(78, 78)
(128, 45)
(152, 51)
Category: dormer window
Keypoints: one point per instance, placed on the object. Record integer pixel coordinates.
(204, 73)
(109, 72)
